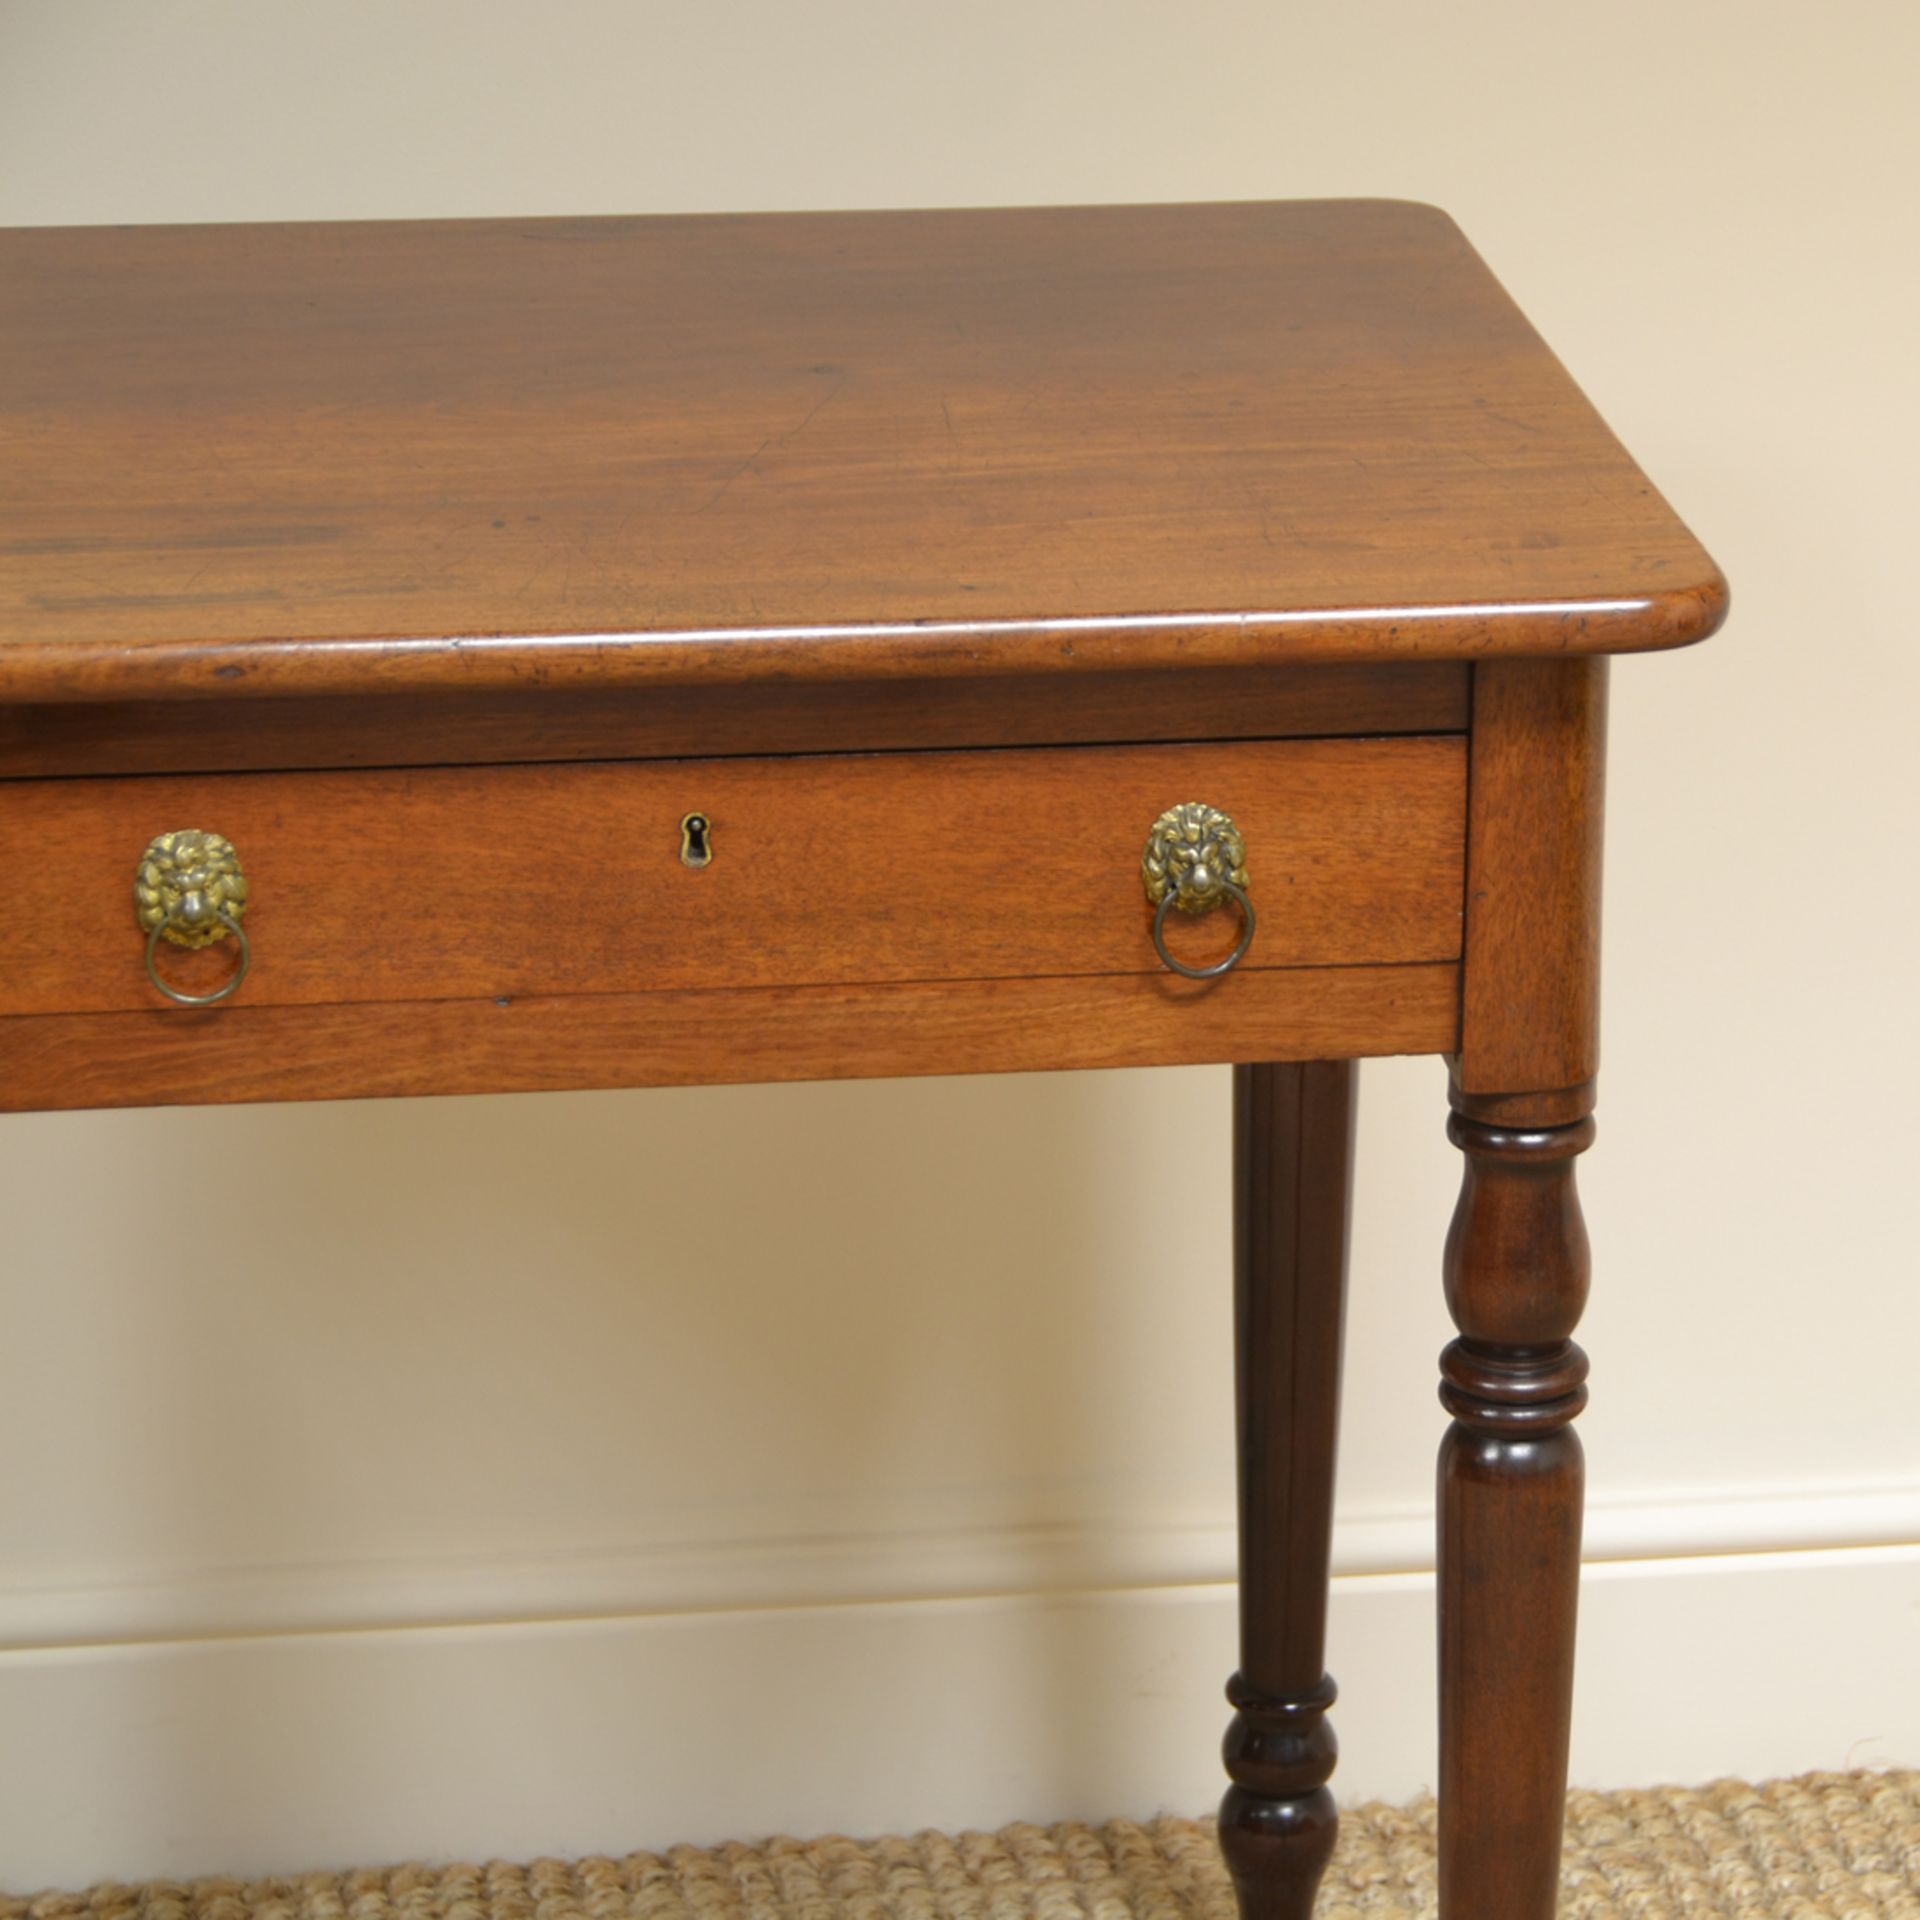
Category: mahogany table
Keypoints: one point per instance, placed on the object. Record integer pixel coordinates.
(464, 657)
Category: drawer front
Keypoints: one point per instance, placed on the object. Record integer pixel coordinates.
(500, 882)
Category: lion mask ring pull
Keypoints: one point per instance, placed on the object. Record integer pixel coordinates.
(189, 891)
(1196, 861)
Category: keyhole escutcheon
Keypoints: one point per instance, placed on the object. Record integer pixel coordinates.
(696, 841)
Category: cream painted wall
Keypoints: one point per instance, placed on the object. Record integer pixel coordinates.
(816, 1421)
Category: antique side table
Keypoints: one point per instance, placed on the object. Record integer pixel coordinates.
(465, 657)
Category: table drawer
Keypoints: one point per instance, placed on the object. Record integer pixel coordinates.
(498, 882)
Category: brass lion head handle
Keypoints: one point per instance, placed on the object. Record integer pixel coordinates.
(1196, 861)
(189, 890)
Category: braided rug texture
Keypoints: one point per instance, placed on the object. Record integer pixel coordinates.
(1827, 1846)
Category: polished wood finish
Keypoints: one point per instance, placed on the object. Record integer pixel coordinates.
(1511, 1473)
(1530, 1022)
(1336, 700)
(1293, 1129)
(453, 455)
(1511, 1476)
(455, 883)
(171, 1057)
(445, 566)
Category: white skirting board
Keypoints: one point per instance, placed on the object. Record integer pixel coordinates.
(758, 1559)
(280, 1751)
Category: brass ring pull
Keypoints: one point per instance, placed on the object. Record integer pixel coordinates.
(227, 989)
(1196, 860)
(189, 891)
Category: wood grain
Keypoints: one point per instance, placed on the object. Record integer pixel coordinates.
(1340, 698)
(236, 1053)
(448, 882)
(460, 455)
(1530, 1024)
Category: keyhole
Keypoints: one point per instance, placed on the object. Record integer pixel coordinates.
(696, 841)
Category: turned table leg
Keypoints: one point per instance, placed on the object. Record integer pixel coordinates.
(1510, 1488)
(1293, 1157)
(1516, 1279)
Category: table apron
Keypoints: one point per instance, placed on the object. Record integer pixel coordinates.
(175, 1057)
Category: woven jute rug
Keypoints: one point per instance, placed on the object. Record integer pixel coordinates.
(1827, 1846)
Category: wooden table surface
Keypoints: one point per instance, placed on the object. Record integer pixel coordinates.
(333, 458)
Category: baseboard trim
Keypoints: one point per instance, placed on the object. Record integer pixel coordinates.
(954, 1561)
(276, 1753)
(1683, 1524)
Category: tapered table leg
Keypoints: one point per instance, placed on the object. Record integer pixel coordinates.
(1510, 1487)
(1293, 1160)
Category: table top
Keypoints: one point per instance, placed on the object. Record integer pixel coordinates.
(347, 457)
